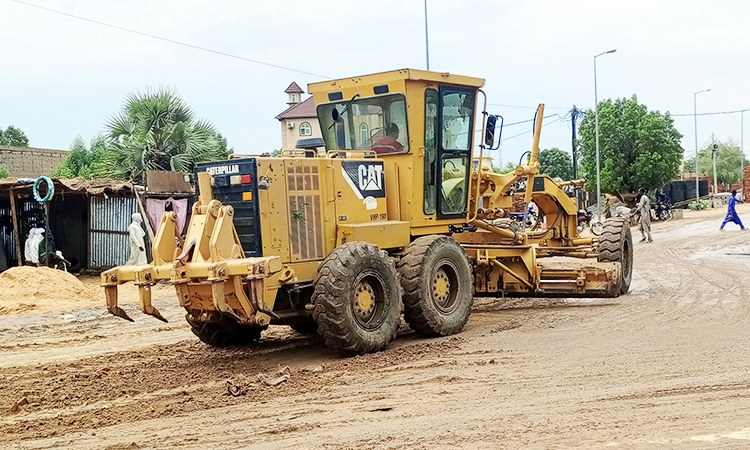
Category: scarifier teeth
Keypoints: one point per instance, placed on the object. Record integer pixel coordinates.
(119, 312)
(155, 313)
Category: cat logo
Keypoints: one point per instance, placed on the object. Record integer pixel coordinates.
(367, 179)
(370, 177)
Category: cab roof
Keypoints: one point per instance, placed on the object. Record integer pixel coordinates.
(395, 75)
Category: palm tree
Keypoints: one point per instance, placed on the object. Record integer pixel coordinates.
(156, 130)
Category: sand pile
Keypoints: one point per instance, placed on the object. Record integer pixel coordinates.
(42, 284)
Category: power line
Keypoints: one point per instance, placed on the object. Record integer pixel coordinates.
(171, 41)
(479, 130)
(278, 66)
(523, 107)
(716, 113)
(559, 118)
(527, 121)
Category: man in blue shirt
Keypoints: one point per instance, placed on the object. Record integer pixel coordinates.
(732, 215)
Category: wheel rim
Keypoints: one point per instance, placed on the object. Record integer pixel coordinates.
(444, 286)
(597, 228)
(368, 300)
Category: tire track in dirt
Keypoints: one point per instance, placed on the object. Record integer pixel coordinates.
(170, 380)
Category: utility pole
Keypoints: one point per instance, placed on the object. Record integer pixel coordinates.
(714, 151)
(596, 133)
(695, 119)
(574, 117)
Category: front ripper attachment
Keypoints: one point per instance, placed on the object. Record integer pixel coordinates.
(111, 293)
(208, 268)
(144, 279)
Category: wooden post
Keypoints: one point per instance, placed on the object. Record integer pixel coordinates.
(16, 231)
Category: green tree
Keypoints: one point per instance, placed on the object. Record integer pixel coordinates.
(728, 157)
(81, 159)
(639, 148)
(508, 167)
(14, 137)
(4, 172)
(556, 163)
(157, 130)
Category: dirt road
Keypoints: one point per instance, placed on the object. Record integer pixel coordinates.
(666, 366)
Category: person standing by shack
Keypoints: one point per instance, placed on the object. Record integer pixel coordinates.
(732, 215)
(644, 212)
(135, 237)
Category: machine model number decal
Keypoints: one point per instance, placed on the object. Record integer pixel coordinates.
(223, 170)
(367, 179)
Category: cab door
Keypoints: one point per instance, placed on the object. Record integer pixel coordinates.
(449, 125)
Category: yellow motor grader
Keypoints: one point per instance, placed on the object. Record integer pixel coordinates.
(395, 216)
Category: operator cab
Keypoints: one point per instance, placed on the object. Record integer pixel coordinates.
(424, 120)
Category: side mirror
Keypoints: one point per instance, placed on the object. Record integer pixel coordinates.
(335, 114)
(489, 133)
(490, 129)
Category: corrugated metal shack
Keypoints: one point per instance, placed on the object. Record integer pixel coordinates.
(88, 220)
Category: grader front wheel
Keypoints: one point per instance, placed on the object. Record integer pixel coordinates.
(357, 299)
(616, 245)
(438, 288)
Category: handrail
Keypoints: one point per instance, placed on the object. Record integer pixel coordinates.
(475, 212)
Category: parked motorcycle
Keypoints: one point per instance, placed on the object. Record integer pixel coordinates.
(662, 210)
(585, 219)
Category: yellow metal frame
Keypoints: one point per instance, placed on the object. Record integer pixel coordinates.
(307, 209)
(210, 273)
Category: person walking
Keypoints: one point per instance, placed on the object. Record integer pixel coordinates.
(644, 211)
(135, 237)
(732, 215)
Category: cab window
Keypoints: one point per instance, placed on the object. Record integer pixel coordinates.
(430, 150)
(371, 123)
(455, 125)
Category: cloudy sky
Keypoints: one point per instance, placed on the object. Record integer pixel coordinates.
(62, 77)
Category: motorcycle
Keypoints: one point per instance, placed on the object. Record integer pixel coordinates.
(585, 219)
(662, 210)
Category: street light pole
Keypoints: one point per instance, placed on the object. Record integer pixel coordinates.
(695, 123)
(596, 133)
(426, 37)
(714, 153)
(742, 154)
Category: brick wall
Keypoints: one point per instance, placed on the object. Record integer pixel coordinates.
(30, 162)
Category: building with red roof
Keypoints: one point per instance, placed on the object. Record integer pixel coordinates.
(298, 120)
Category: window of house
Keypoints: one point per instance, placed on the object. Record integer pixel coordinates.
(364, 132)
(294, 98)
(305, 129)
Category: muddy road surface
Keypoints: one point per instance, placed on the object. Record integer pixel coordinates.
(666, 366)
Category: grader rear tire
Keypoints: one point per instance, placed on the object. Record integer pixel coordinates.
(357, 299)
(616, 245)
(438, 287)
(224, 332)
